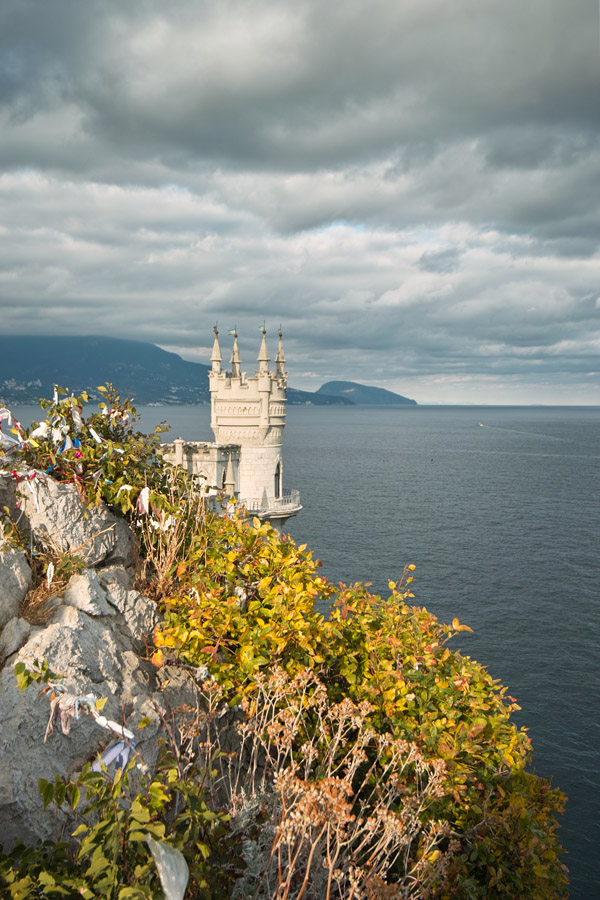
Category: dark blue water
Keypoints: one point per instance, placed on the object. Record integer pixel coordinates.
(499, 509)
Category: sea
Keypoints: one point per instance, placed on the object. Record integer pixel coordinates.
(499, 510)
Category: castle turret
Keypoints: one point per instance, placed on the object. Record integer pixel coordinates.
(247, 417)
(250, 412)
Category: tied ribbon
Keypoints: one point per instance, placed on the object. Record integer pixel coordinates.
(67, 706)
(119, 753)
(18, 477)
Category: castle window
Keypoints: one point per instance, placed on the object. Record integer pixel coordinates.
(278, 480)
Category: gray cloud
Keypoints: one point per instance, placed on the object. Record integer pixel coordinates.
(409, 188)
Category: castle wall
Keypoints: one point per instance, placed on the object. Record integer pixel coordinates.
(204, 459)
(257, 472)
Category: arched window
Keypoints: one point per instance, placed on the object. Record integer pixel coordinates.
(278, 480)
(223, 479)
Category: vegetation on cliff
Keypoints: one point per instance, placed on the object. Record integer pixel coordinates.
(371, 759)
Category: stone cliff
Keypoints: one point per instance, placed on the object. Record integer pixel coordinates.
(92, 632)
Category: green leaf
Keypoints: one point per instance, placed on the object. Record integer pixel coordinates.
(136, 836)
(74, 795)
(46, 789)
(59, 792)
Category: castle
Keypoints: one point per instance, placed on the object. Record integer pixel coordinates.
(247, 418)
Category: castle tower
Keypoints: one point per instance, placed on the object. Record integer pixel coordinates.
(250, 412)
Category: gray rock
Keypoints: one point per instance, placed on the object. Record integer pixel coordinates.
(15, 581)
(112, 575)
(91, 656)
(64, 615)
(86, 592)
(140, 613)
(92, 641)
(55, 517)
(14, 634)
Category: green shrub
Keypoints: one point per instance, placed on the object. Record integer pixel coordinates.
(251, 600)
(101, 454)
(109, 856)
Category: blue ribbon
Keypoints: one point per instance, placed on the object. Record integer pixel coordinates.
(118, 753)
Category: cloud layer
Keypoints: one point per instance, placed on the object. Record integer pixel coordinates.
(410, 189)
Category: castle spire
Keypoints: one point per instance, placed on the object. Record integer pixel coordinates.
(216, 357)
(235, 357)
(280, 358)
(263, 356)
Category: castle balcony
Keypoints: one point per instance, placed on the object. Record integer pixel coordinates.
(272, 507)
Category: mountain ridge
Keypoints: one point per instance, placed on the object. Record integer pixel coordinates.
(364, 394)
(30, 366)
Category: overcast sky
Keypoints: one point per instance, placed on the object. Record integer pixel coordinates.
(410, 187)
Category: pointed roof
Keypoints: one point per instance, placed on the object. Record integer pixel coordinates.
(263, 355)
(280, 358)
(216, 351)
(235, 357)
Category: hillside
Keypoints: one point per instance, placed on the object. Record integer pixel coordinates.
(364, 395)
(314, 398)
(31, 365)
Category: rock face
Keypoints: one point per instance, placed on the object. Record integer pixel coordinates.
(54, 516)
(93, 640)
(15, 581)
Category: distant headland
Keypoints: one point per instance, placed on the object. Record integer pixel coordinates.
(363, 394)
(31, 365)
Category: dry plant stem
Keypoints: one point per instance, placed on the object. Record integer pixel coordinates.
(348, 803)
(165, 532)
(344, 806)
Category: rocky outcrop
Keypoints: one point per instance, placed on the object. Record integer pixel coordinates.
(93, 640)
(53, 516)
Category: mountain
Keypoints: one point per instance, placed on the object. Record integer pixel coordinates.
(30, 366)
(315, 398)
(364, 394)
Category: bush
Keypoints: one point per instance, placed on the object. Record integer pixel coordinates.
(102, 455)
(250, 599)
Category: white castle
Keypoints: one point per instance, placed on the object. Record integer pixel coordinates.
(247, 419)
